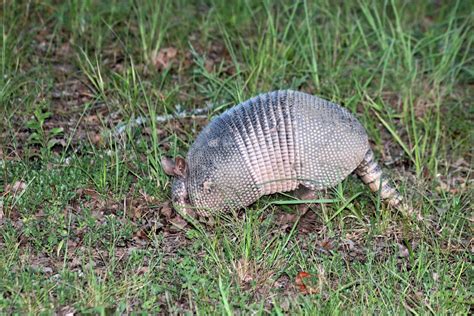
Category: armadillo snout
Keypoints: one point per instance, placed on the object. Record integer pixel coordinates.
(179, 194)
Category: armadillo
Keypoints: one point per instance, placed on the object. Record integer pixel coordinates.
(275, 142)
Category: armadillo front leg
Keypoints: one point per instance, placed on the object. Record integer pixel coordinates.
(304, 193)
(372, 175)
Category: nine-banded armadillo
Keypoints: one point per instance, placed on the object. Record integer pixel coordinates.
(274, 142)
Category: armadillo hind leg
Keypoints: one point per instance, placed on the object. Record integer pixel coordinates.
(371, 174)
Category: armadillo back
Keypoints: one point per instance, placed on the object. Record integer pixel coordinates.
(330, 142)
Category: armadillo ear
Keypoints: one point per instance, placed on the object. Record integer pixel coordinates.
(180, 166)
(169, 166)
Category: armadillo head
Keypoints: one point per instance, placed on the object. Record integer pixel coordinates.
(179, 193)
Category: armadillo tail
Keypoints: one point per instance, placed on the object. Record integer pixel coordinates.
(372, 175)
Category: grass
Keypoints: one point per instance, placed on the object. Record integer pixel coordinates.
(84, 220)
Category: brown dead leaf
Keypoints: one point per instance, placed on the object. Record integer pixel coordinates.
(135, 212)
(309, 223)
(141, 234)
(15, 188)
(287, 219)
(178, 223)
(96, 138)
(164, 57)
(88, 192)
(327, 245)
(306, 283)
(92, 119)
(166, 210)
